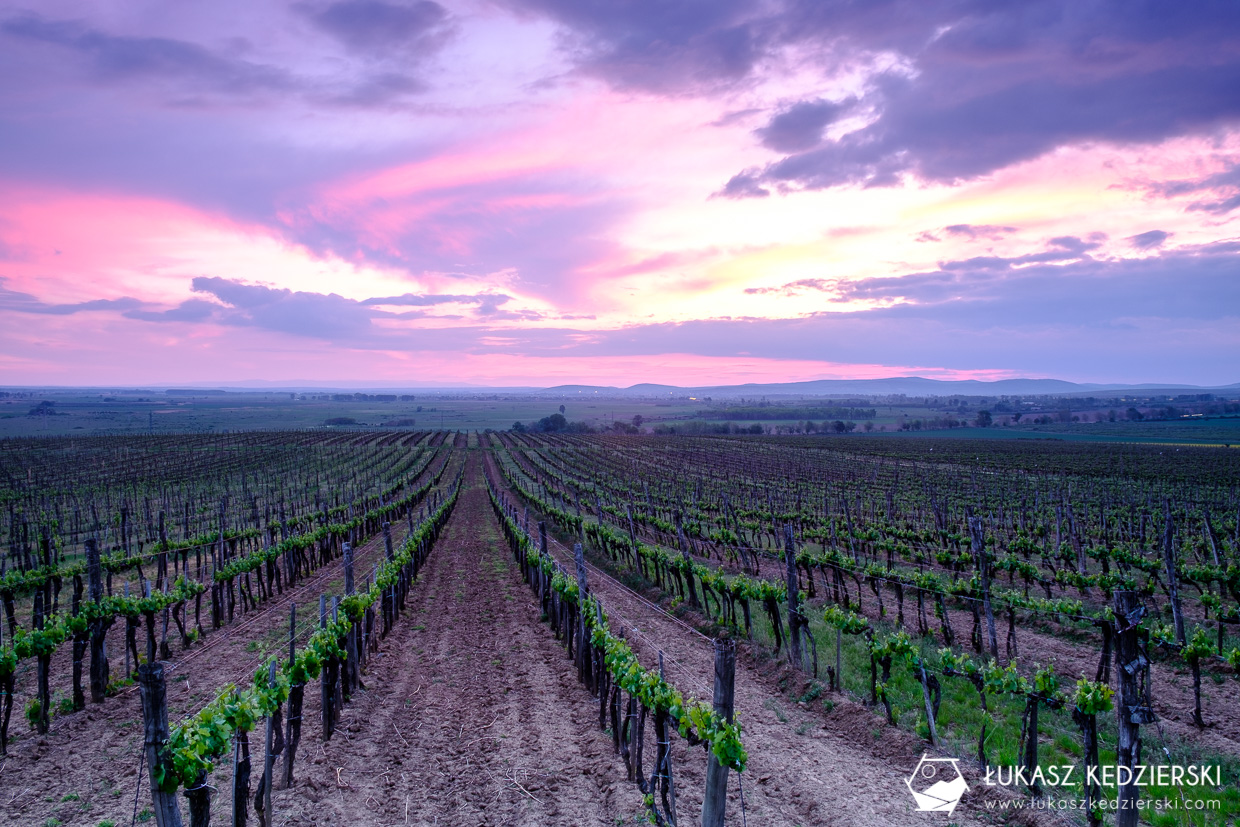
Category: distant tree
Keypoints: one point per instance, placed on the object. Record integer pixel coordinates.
(516, 426)
(983, 419)
(553, 424)
(1016, 417)
(838, 426)
(755, 428)
(869, 426)
(1135, 415)
(561, 409)
(340, 420)
(637, 420)
(1111, 417)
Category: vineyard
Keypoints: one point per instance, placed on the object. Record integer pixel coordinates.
(516, 628)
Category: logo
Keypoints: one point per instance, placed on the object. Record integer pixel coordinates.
(937, 785)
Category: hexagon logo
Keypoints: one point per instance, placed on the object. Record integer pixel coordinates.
(937, 785)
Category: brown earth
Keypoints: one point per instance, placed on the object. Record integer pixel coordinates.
(473, 716)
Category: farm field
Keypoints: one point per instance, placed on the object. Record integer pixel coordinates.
(888, 599)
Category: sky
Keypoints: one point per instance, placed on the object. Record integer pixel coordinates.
(537, 192)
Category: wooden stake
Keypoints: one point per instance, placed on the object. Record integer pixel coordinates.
(1131, 666)
(715, 802)
(155, 735)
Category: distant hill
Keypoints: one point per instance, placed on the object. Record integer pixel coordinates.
(907, 385)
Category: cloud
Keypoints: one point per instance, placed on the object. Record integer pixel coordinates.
(318, 315)
(743, 185)
(419, 300)
(110, 58)
(971, 231)
(989, 86)
(1059, 284)
(328, 315)
(13, 300)
(658, 46)
(798, 286)
(1223, 188)
(800, 126)
(190, 310)
(369, 25)
(1149, 239)
(1036, 312)
(990, 232)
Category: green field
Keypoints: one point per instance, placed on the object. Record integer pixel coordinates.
(63, 412)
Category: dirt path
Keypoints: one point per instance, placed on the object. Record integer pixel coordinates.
(473, 714)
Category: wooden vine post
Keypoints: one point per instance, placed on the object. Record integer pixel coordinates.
(925, 694)
(325, 685)
(683, 544)
(1173, 587)
(296, 695)
(543, 581)
(352, 678)
(98, 629)
(715, 802)
(1128, 711)
(583, 639)
(155, 735)
(270, 747)
(637, 558)
(796, 654)
(977, 533)
(662, 780)
(242, 766)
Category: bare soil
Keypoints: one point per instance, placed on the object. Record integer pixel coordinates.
(473, 714)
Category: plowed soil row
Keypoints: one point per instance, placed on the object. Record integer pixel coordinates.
(473, 714)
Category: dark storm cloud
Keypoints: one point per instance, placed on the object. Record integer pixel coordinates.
(367, 25)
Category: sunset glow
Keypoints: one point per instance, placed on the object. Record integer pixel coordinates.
(544, 192)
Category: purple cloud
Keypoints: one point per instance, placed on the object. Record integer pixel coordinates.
(1149, 239)
(800, 126)
(116, 58)
(368, 25)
